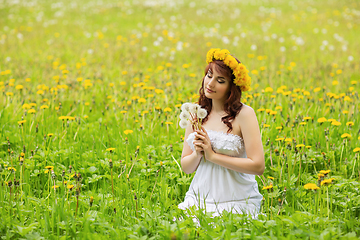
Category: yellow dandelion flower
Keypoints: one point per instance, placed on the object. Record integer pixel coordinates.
(350, 124)
(300, 145)
(336, 123)
(288, 139)
(169, 123)
(128, 131)
(345, 135)
(167, 109)
(49, 167)
(44, 107)
(321, 120)
(267, 187)
(356, 150)
(279, 139)
(32, 111)
(325, 171)
(21, 122)
(50, 134)
(110, 149)
(311, 186)
(70, 186)
(326, 182)
(279, 128)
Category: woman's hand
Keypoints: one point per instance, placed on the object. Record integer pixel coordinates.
(202, 142)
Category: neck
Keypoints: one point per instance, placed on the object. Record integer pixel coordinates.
(217, 106)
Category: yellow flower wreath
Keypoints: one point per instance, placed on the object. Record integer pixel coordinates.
(242, 78)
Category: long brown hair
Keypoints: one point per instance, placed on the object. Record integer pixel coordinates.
(232, 105)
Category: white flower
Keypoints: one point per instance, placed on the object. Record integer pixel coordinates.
(184, 115)
(185, 107)
(201, 113)
(183, 123)
(193, 108)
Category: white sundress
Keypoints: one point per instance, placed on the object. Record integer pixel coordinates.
(216, 188)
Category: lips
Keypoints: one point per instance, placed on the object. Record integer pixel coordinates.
(209, 91)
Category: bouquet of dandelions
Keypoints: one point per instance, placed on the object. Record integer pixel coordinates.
(194, 113)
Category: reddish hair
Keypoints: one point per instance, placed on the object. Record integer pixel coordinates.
(232, 105)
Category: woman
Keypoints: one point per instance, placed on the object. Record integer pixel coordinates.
(229, 141)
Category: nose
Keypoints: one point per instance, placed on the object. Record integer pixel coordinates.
(210, 84)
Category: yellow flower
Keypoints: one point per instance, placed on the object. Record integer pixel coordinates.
(270, 178)
(279, 128)
(50, 134)
(55, 186)
(19, 87)
(167, 109)
(326, 181)
(300, 145)
(49, 167)
(128, 131)
(44, 107)
(345, 135)
(279, 139)
(356, 150)
(269, 89)
(9, 94)
(288, 140)
(307, 118)
(70, 186)
(317, 89)
(142, 100)
(11, 168)
(110, 149)
(325, 171)
(302, 123)
(336, 123)
(321, 120)
(261, 110)
(311, 186)
(21, 122)
(267, 187)
(169, 123)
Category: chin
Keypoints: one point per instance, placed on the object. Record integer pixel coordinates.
(208, 95)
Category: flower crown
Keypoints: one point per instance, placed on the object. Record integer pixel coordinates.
(239, 70)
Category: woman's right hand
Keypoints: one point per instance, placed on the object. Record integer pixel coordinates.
(199, 150)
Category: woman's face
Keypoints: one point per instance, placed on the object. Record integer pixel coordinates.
(216, 86)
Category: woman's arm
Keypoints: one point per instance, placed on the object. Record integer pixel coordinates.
(190, 159)
(254, 163)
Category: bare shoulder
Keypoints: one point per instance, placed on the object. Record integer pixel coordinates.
(246, 113)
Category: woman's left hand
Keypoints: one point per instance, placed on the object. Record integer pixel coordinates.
(205, 144)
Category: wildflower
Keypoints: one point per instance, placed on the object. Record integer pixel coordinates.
(11, 169)
(311, 186)
(167, 109)
(91, 200)
(279, 139)
(49, 167)
(326, 181)
(44, 107)
(279, 128)
(267, 187)
(350, 124)
(21, 122)
(345, 135)
(356, 150)
(50, 134)
(128, 131)
(168, 123)
(325, 172)
(321, 120)
(110, 150)
(270, 178)
(55, 186)
(300, 145)
(70, 186)
(32, 111)
(336, 123)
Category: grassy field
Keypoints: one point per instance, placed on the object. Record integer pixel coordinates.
(91, 94)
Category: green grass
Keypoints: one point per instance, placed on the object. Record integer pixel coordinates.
(133, 54)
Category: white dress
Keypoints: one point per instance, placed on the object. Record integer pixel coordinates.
(216, 188)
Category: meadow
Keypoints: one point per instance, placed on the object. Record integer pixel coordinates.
(90, 143)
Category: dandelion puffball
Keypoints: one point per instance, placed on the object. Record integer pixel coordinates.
(185, 107)
(193, 108)
(183, 123)
(184, 115)
(201, 113)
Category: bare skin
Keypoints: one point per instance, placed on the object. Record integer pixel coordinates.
(244, 125)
